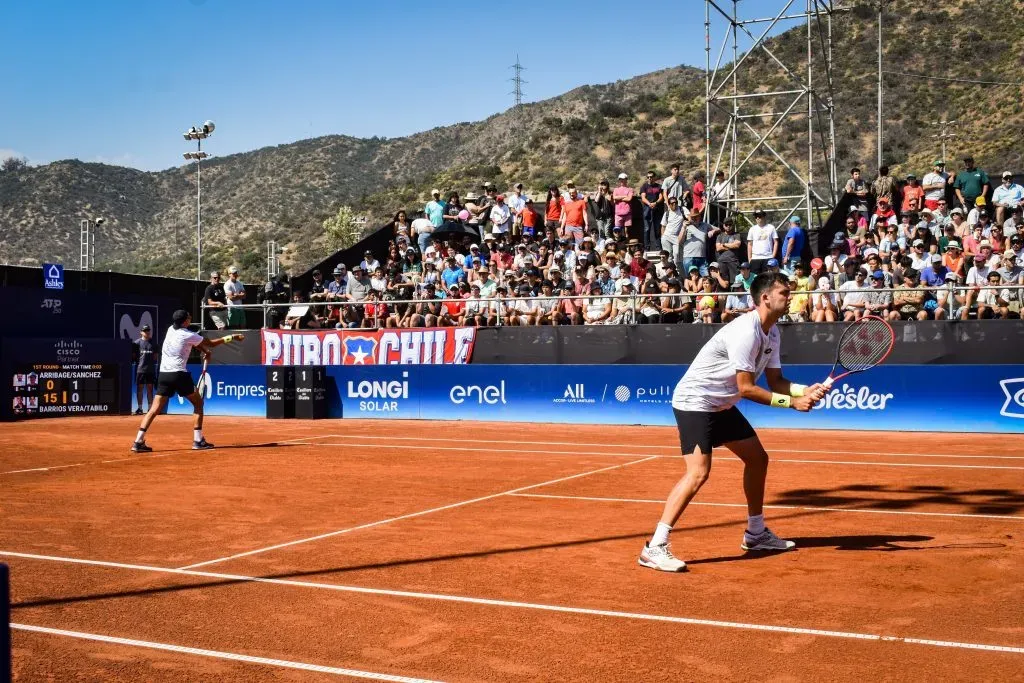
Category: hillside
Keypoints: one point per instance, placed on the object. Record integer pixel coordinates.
(285, 192)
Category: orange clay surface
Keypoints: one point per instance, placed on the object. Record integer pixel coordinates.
(484, 551)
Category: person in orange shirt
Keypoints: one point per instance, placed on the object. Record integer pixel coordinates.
(954, 259)
(553, 209)
(913, 195)
(530, 219)
(574, 221)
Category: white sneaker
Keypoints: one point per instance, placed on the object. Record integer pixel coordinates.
(765, 540)
(661, 558)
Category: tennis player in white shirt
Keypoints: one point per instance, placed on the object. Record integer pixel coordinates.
(174, 378)
(704, 403)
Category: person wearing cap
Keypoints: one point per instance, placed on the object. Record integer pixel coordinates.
(908, 304)
(934, 185)
(369, 263)
(146, 356)
(935, 274)
(234, 292)
(919, 256)
(745, 276)
(434, 210)
(1008, 195)
(523, 309)
(597, 308)
(729, 251)
(953, 258)
(737, 303)
(824, 302)
(500, 216)
(980, 211)
(216, 301)
(175, 379)
(792, 244)
(622, 197)
(704, 403)
(970, 183)
(883, 215)
(762, 243)
(694, 248)
(913, 195)
(957, 218)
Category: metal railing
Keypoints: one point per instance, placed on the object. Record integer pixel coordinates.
(946, 295)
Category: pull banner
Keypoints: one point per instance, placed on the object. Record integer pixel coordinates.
(429, 346)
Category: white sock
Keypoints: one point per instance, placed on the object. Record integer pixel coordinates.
(141, 436)
(755, 524)
(660, 536)
(197, 434)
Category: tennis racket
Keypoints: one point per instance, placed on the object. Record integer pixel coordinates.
(203, 379)
(865, 343)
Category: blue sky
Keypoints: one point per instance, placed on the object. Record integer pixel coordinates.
(118, 81)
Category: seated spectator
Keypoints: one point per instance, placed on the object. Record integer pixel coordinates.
(569, 311)
(799, 298)
(546, 305)
(908, 304)
(979, 209)
(498, 309)
(300, 315)
(737, 303)
(598, 307)
(853, 303)
(524, 307)
(650, 304)
(427, 309)
(988, 299)
(879, 300)
(919, 257)
(883, 215)
(707, 305)
(375, 312)
(625, 310)
(824, 303)
(953, 259)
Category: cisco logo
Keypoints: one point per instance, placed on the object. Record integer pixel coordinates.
(68, 350)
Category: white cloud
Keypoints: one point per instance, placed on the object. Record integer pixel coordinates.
(6, 153)
(127, 159)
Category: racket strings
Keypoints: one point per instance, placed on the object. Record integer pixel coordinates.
(865, 344)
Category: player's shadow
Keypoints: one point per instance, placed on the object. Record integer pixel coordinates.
(268, 444)
(876, 542)
(981, 501)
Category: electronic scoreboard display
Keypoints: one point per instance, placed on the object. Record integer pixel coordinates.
(58, 389)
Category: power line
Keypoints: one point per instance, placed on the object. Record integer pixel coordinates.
(518, 81)
(952, 80)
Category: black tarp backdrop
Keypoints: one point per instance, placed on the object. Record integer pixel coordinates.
(971, 342)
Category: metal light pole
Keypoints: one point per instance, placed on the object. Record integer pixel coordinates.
(199, 134)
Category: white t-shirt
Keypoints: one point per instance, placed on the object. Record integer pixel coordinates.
(422, 226)
(178, 343)
(762, 240)
(851, 298)
(234, 287)
(931, 179)
(709, 384)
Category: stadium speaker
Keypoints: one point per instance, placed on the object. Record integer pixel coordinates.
(280, 392)
(311, 392)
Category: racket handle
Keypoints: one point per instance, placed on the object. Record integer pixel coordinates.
(828, 383)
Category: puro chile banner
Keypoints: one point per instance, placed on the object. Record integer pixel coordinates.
(418, 346)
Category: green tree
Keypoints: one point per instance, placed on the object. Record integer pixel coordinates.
(13, 164)
(344, 228)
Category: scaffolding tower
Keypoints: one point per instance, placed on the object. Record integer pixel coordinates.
(753, 114)
(87, 245)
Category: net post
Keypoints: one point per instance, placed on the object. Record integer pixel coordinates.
(5, 624)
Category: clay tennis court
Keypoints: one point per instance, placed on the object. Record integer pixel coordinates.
(487, 551)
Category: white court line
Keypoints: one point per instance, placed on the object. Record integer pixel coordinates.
(416, 514)
(773, 507)
(249, 659)
(770, 449)
(486, 449)
(564, 609)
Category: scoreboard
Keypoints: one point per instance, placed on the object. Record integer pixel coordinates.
(60, 389)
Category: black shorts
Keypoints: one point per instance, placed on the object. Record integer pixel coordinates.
(145, 377)
(709, 430)
(171, 383)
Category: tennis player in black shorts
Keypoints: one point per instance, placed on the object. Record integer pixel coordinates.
(704, 403)
(175, 379)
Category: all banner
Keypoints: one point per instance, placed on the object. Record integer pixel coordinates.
(430, 346)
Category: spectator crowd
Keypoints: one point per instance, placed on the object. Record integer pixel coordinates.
(670, 251)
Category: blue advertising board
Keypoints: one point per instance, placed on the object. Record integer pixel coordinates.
(53, 276)
(961, 398)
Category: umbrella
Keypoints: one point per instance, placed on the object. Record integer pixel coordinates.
(456, 230)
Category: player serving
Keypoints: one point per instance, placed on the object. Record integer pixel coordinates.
(175, 378)
(704, 403)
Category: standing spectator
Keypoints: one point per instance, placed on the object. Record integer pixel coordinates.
(574, 220)
(216, 301)
(516, 204)
(792, 245)
(856, 185)
(422, 229)
(435, 209)
(672, 227)
(729, 250)
(146, 361)
(970, 184)
(718, 197)
(452, 207)
(934, 185)
(401, 226)
(698, 192)
(913, 195)
(694, 247)
(234, 291)
(604, 209)
(1007, 196)
(500, 217)
(675, 186)
(622, 196)
(762, 243)
(650, 197)
(553, 208)
(884, 185)
(531, 219)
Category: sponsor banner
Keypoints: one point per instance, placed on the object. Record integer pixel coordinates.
(428, 346)
(930, 398)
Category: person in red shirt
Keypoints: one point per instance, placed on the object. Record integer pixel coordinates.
(638, 264)
(553, 208)
(913, 195)
(697, 190)
(375, 313)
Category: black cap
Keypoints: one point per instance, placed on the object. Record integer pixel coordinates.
(179, 317)
(144, 328)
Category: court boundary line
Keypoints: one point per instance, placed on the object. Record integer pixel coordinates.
(774, 507)
(218, 654)
(866, 463)
(543, 607)
(671, 447)
(411, 515)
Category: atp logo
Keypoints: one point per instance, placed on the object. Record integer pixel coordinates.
(1014, 390)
